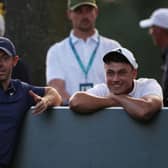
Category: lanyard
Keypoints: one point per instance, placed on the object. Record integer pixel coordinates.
(84, 69)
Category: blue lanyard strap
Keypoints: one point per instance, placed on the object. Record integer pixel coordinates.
(84, 70)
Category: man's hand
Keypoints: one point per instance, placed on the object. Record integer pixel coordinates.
(41, 103)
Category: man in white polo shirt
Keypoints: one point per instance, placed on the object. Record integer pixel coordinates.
(158, 29)
(141, 98)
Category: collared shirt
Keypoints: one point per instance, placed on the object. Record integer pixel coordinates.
(86, 46)
(61, 62)
(13, 104)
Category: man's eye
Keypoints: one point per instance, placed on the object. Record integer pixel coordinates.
(110, 73)
(4, 58)
(122, 72)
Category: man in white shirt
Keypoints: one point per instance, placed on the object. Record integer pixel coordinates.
(76, 62)
(141, 98)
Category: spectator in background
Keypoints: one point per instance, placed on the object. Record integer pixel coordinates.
(16, 98)
(158, 29)
(76, 62)
(141, 98)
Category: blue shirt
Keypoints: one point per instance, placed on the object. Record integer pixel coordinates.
(14, 103)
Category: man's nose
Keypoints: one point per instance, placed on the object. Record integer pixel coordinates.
(115, 77)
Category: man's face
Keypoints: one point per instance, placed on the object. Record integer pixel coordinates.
(83, 18)
(6, 64)
(119, 77)
(159, 35)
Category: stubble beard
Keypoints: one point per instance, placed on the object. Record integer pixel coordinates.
(86, 26)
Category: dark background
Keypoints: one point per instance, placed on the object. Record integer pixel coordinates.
(34, 25)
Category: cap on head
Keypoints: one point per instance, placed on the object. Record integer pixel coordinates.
(122, 52)
(158, 18)
(7, 46)
(73, 4)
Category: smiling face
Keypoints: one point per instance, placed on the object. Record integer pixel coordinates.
(119, 77)
(6, 65)
(83, 18)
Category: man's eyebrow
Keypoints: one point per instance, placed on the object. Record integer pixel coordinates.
(3, 54)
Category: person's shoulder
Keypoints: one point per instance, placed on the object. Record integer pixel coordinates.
(23, 88)
(19, 83)
(144, 80)
(19, 86)
(100, 85)
(147, 81)
(58, 44)
(109, 41)
(99, 90)
(148, 86)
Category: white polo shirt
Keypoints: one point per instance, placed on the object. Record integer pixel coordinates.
(61, 62)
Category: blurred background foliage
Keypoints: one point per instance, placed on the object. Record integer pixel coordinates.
(34, 25)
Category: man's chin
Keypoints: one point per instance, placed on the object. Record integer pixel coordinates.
(86, 28)
(116, 92)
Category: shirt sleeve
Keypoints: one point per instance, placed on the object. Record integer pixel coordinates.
(152, 88)
(99, 90)
(54, 63)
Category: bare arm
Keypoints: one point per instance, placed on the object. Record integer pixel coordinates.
(84, 102)
(140, 108)
(54, 98)
(50, 98)
(59, 85)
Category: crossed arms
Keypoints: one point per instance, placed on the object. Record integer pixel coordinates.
(140, 108)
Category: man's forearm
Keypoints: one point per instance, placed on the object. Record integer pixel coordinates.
(52, 97)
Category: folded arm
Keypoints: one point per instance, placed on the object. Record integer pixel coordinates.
(140, 108)
(59, 85)
(84, 102)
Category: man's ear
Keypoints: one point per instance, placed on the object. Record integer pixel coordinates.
(135, 73)
(97, 11)
(15, 60)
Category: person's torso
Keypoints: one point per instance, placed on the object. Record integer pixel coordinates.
(68, 68)
(13, 105)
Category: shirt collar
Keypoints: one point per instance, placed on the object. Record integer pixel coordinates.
(75, 39)
(11, 89)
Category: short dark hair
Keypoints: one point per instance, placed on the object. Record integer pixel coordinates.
(115, 57)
